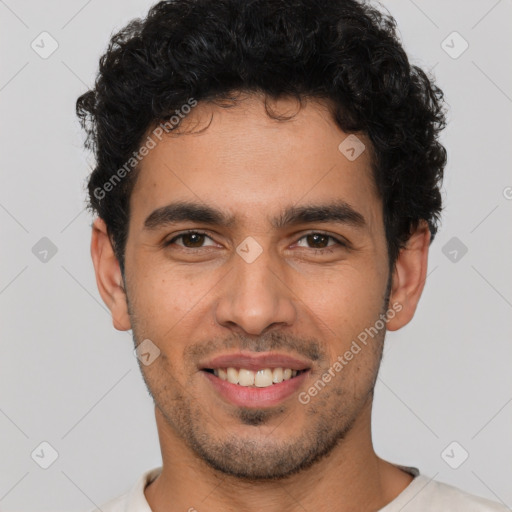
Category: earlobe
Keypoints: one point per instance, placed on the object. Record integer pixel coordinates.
(108, 276)
(409, 276)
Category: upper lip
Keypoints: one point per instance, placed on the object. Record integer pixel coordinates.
(253, 361)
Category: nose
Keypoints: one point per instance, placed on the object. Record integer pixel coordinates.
(255, 296)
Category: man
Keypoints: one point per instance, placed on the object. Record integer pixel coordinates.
(266, 188)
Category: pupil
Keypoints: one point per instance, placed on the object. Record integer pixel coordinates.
(199, 239)
(316, 237)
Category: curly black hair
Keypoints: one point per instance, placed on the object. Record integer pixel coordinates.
(346, 52)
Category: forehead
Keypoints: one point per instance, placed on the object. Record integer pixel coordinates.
(244, 162)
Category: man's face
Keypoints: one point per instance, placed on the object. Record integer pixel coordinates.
(289, 290)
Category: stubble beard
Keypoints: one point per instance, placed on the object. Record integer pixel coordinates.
(329, 418)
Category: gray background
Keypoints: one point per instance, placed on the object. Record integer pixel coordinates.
(68, 378)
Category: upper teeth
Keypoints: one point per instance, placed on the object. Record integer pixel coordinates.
(260, 378)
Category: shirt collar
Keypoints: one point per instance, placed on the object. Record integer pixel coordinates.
(136, 499)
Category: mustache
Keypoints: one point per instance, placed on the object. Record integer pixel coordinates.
(309, 348)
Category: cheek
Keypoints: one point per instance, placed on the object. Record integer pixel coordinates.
(344, 309)
(347, 299)
(170, 304)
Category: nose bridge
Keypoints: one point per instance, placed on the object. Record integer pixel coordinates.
(256, 276)
(255, 296)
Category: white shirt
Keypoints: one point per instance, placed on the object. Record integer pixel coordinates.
(423, 494)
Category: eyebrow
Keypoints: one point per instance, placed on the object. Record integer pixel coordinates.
(338, 211)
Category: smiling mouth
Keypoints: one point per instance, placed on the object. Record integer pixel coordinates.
(262, 378)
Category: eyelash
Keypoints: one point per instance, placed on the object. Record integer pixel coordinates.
(197, 232)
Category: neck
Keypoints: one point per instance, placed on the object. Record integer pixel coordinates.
(351, 477)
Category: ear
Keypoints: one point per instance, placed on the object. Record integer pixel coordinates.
(108, 275)
(409, 276)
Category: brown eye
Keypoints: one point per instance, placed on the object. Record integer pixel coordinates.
(190, 240)
(317, 240)
(320, 241)
(193, 240)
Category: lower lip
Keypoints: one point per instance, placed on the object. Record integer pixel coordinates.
(256, 397)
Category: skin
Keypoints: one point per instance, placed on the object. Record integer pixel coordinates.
(293, 299)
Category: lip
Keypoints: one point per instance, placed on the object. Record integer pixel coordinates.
(254, 362)
(253, 397)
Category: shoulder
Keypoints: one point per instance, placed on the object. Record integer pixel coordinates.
(425, 493)
(134, 500)
(448, 494)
